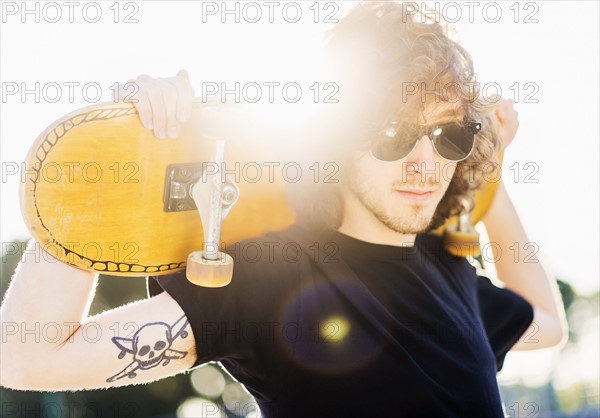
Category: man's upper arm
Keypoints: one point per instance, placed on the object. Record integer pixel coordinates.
(136, 343)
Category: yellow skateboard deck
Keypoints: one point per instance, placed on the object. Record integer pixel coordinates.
(97, 198)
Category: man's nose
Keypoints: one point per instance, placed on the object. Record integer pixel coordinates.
(423, 155)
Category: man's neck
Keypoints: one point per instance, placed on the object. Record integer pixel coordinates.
(360, 223)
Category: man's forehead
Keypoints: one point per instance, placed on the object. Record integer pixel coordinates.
(442, 112)
(434, 112)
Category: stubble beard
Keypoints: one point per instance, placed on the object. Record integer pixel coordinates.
(415, 221)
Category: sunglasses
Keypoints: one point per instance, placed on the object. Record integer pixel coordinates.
(452, 141)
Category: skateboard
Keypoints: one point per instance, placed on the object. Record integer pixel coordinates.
(104, 194)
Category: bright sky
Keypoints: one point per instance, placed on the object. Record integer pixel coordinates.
(544, 55)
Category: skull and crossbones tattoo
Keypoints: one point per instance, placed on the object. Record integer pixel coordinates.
(150, 345)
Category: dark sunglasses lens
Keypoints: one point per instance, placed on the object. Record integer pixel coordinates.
(394, 148)
(453, 142)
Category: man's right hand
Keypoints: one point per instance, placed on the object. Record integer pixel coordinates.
(162, 103)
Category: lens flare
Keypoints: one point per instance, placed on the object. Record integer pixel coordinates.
(334, 329)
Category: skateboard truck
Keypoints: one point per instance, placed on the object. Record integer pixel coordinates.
(462, 240)
(214, 197)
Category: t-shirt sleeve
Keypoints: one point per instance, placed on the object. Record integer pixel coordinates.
(205, 309)
(226, 320)
(505, 316)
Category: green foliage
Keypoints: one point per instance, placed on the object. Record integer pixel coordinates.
(567, 292)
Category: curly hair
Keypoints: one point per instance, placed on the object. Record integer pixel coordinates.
(378, 51)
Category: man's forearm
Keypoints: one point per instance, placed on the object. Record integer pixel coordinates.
(524, 274)
(43, 347)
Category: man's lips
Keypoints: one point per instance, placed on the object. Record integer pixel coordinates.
(415, 194)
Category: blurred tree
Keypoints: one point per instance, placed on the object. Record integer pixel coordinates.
(11, 254)
(567, 292)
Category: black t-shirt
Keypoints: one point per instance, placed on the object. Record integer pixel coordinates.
(322, 324)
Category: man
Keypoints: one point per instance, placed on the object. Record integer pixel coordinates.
(371, 317)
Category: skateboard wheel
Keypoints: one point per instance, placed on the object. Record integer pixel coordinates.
(209, 273)
(462, 244)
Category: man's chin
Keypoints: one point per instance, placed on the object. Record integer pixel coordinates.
(412, 218)
(415, 220)
(405, 225)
